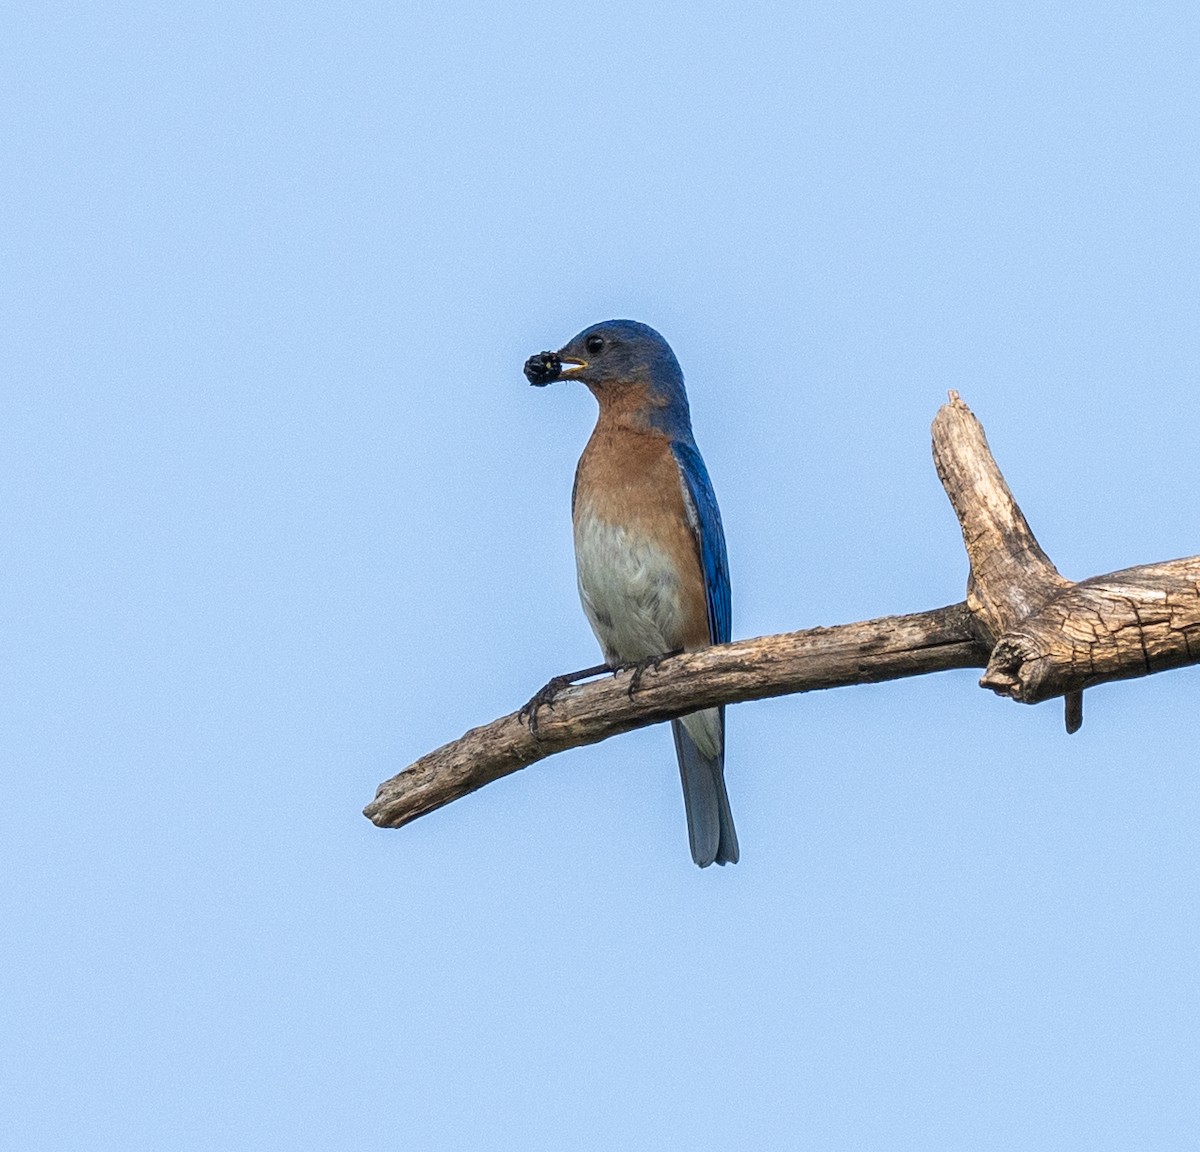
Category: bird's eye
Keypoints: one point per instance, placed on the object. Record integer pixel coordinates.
(595, 344)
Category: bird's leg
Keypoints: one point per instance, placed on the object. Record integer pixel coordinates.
(552, 687)
(641, 667)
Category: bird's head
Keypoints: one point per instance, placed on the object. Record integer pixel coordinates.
(628, 367)
(613, 354)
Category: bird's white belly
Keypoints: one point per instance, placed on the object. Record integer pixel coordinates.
(630, 594)
(629, 588)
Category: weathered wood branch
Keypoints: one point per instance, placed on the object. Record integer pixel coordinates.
(884, 649)
(1037, 634)
(1010, 574)
(1115, 627)
(1051, 637)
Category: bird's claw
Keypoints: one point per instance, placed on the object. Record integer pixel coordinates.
(544, 696)
(547, 693)
(643, 666)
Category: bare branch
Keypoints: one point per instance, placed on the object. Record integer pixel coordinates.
(864, 653)
(1052, 637)
(1010, 574)
(1113, 627)
(1037, 634)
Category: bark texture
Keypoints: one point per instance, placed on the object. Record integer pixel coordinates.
(1051, 637)
(1115, 627)
(1036, 634)
(884, 649)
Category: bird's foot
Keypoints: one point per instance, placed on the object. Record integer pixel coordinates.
(641, 667)
(545, 695)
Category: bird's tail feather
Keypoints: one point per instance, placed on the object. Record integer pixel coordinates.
(710, 821)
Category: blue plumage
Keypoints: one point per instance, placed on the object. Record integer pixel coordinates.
(712, 540)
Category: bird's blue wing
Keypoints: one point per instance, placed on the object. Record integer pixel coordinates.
(711, 539)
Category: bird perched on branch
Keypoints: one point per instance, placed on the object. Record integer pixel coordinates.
(649, 546)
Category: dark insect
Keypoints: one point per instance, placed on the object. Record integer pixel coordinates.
(543, 369)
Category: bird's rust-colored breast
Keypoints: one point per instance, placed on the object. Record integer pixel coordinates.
(628, 476)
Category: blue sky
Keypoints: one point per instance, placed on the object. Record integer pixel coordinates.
(280, 514)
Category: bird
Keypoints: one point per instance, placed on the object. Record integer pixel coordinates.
(650, 557)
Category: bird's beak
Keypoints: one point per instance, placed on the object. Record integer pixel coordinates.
(546, 367)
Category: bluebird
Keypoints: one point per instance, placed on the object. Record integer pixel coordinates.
(649, 546)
